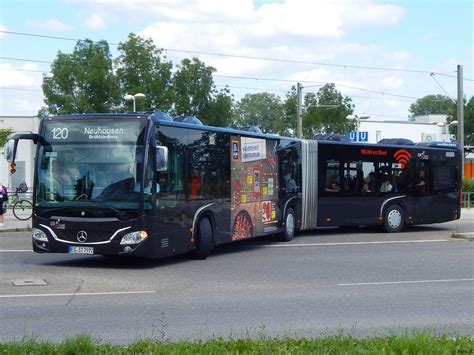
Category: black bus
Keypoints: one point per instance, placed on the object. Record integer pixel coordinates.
(145, 185)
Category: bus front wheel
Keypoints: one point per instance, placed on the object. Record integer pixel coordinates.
(394, 219)
(204, 240)
(289, 230)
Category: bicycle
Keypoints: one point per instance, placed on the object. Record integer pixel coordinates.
(19, 205)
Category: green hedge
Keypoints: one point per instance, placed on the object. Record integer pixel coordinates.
(467, 185)
(417, 343)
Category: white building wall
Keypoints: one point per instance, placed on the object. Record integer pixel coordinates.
(25, 153)
(417, 132)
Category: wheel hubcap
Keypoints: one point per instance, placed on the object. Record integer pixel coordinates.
(394, 219)
(290, 224)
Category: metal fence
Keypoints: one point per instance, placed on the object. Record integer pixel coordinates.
(467, 200)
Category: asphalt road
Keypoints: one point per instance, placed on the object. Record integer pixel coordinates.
(359, 281)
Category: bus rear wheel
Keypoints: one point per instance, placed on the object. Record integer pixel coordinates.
(204, 240)
(289, 231)
(394, 219)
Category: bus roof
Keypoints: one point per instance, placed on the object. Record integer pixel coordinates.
(164, 119)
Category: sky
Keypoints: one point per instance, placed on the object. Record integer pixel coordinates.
(379, 53)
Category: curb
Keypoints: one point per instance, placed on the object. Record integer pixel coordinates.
(15, 230)
(467, 236)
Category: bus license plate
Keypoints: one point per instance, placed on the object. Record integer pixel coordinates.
(80, 250)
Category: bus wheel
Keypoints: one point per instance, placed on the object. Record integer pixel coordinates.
(289, 231)
(204, 240)
(394, 219)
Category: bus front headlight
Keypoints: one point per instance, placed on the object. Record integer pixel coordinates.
(134, 238)
(39, 235)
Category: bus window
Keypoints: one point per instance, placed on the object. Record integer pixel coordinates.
(422, 180)
(332, 178)
(444, 178)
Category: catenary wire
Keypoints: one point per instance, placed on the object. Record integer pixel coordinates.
(250, 57)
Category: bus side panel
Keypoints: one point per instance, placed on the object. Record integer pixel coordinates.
(254, 185)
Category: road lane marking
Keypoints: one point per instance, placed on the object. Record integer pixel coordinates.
(403, 282)
(354, 243)
(284, 245)
(15, 250)
(78, 294)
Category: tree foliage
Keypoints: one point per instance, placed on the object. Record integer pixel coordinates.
(81, 82)
(263, 110)
(468, 122)
(218, 111)
(141, 68)
(193, 85)
(431, 105)
(326, 112)
(4, 133)
(195, 94)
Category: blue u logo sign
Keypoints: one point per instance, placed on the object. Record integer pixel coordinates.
(363, 136)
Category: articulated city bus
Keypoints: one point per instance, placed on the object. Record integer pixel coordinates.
(143, 184)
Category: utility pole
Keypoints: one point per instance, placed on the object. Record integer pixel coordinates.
(460, 107)
(299, 110)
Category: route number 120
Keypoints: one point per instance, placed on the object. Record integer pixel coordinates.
(60, 133)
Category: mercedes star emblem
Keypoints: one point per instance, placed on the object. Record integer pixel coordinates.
(81, 236)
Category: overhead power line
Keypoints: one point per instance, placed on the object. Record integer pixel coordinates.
(19, 89)
(261, 79)
(251, 57)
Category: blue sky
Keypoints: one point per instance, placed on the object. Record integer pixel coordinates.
(414, 35)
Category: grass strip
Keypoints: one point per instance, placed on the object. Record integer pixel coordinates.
(417, 343)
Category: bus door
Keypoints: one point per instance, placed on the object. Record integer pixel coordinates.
(171, 216)
(424, 211)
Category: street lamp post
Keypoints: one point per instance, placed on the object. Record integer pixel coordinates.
(133, 98)
(445, 128)
(357, 118)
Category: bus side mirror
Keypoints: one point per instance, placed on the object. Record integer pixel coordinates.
(161, 158)
(9, 150)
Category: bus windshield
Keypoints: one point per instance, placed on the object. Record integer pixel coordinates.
(90, 163)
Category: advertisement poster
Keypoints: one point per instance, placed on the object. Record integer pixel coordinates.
(254, 179)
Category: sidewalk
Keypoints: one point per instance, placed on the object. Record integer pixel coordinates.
(11, 224)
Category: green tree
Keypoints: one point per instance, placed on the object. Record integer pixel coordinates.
(263, 110)
(193, 87)
(218, 111)
(432, 104)
(141, 68)
(468, 122)
(326, 112)
(81, 82)
(4, 133)
(289, 109)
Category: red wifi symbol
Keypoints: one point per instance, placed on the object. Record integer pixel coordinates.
(402, 156)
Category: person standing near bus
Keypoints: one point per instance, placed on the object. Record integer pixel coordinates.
(3, 198)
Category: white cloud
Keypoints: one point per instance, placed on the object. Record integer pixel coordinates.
(19, 79)
(2, 28)
(95, 22)
(400, 56)
(392, 82)
(20, 102)
(51, 25)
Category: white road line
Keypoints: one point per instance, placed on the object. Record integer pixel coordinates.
(16, 251)
(78, 294)
(403, 282)
(354, 243)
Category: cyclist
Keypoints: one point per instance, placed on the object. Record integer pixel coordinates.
(3, 197)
